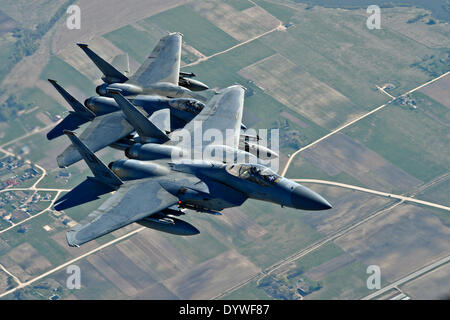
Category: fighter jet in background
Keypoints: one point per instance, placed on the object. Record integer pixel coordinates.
(154, 87)
(155, 193)
(158, 75)
(182, 110)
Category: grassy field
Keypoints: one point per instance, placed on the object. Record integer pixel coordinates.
(198, 248)
(437, 193)
(348, 282)
(64, 73)
(36, 97)
(137, 43)
(303, 169)
(286, 233)
(11, 130)
(248, 292)
(279, 11)
(45, 246)
(239, 4)
(350, 58)
(414, 140)
(197, 31)
(6, 49)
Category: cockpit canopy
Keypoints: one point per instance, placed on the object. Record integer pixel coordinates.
(253, 172)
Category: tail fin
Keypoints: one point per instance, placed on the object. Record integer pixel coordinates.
(101, 172)
(111, 74)
(122, 63)
(74, 103)
(144, 127)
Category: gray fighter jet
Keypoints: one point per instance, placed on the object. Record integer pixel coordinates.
(155, 193)
(182, 110)
(159, 74)
(154, 86)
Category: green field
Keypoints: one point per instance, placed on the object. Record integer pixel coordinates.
(438, 193)
(303, 169)
(36, 97)
(6, 49)
(414, 140)
(11, 130)
(138, 44)
(198, 248)
(38, 238)
(250, 291)
(197, 31)
(286, 233)
(317, 257)
(348, 282)
(283, 13)
(66, 75)
(239, 4)
(351, 58)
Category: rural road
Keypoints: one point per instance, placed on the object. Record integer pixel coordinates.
(354, 121)
(380, 193)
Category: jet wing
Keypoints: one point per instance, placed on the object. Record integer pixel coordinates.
(71, 122)
(133, 201)
(87, 191)
(223, 113)
(101, 132)
(163, 64)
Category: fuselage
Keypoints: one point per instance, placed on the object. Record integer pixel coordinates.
(207, 185)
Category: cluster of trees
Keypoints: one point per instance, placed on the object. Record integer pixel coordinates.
(434, 65)
(285, 286)
(27, 41)
(10, 108)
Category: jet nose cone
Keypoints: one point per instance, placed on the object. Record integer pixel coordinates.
(306, 199)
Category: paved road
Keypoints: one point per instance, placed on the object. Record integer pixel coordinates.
(279, 27)
(380, 193)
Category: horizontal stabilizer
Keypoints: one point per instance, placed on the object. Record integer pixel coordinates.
(111, 74)
(101, 172)
(87, 191)
(144, 127)
(72, 122)
(81, 110)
